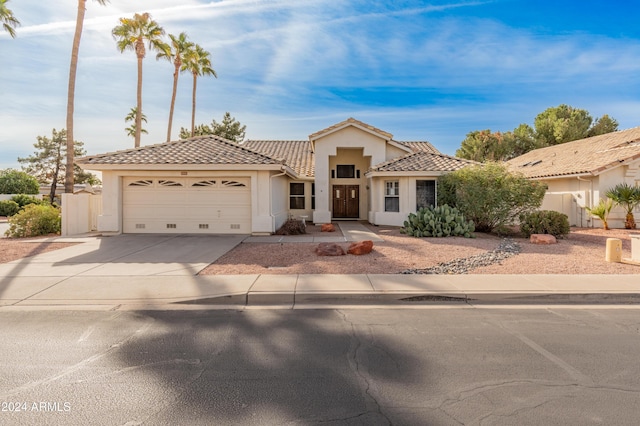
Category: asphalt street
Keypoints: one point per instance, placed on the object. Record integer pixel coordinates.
(434, 366)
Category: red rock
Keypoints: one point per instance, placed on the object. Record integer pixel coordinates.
(327, 227)
(542, 239)
(329, 249)
(361, 247)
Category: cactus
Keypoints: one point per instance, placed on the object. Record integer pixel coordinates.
(441, 221)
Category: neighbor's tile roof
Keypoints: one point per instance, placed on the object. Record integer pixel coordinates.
(423, 161)
(296, 154)
(585, 156)
(197, 150)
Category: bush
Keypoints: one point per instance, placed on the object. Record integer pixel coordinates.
(441, 221)
(544, 222)
(34, 220)
(9, 208)
(490, 195)
(292, 227)
(15, 182)
(23, 200)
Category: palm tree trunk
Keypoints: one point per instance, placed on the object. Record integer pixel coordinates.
(173, 100)
(68, 181)
(193, 105)
(139, 103)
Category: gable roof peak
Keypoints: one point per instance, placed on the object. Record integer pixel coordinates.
(347, 123)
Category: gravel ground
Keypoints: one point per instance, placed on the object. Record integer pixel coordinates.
(582, 252)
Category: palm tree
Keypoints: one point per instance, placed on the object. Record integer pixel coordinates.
(628, 197)
(9, 21)
(198, 62)
(178, 48)
(601, 211)
(131, 35)
(131, 130)
(69, 177)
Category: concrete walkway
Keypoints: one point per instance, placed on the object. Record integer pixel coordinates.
(346, 231)
(159, 272)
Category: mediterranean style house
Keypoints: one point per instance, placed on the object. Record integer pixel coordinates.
(207, 184)
(578, 174)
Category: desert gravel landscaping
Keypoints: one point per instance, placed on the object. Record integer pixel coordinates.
(582, 252)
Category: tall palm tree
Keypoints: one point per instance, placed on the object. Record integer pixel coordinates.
(131, 34)
(131, 130)
(9, 21)
(178, 48)
(198, 62)
(71, 92)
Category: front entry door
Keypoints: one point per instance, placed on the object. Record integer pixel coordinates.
(346, 201)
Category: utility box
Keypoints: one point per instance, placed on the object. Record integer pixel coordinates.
(635, 247)
(614, 250)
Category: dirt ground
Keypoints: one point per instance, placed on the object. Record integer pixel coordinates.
(582, 252)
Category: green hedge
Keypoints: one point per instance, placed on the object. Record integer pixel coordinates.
(34, 220)
(544, 222)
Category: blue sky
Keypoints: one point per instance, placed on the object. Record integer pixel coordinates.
(288, 68)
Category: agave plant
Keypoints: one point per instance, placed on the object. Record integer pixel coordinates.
(601, 211)
(628, 197)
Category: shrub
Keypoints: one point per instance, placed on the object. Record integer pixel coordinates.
(490, 195)
(34, 220)
(292, 227)
(601, 211)
(15, 182)
(544, 222)
(441, 221)
(8, 208)
(23, 200)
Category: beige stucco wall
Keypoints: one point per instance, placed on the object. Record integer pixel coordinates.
(407, 199)
(326, 151)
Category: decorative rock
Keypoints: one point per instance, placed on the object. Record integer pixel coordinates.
(329, 249)
(542, 239)
(327, 227)
(361, 247)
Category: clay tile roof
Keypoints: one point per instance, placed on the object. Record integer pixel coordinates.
(416, 146)
(197, 150)
(585, 156)
(296, 154)
(346, 122)
(423, 161)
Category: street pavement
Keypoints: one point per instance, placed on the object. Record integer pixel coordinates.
(160, 272)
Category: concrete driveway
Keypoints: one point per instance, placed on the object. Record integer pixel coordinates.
(127, 255)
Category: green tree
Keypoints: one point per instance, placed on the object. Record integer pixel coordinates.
(71, 90)
(484, 145)
(131, 117)
(197, 61)
(178, 48)
(131, 34)
(603, 125)
(47, 163)
(628, 197)
(17, 182)
(490, 195)
(9, 21)
(229, 128)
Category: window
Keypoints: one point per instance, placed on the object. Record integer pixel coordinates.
(391, 196)
(313, 196)
(346, 171)
(296, 196)
(425, 193)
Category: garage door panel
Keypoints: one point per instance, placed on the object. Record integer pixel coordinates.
(167, 205)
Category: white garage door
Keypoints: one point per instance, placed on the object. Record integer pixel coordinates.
(187, 205)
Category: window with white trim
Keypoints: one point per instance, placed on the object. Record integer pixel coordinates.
(296, 196)
(391, 196)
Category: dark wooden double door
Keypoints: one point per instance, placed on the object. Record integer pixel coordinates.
(346, 201)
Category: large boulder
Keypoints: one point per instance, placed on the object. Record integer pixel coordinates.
(361, 247)
(327, 227)
(329, 249)
(542, 239)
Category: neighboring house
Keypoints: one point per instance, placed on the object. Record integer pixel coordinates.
(579, 173)
(206, 184)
